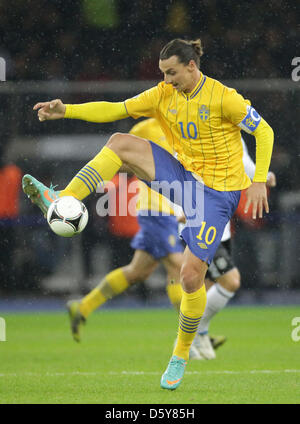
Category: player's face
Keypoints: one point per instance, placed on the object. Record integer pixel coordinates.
(181, 76)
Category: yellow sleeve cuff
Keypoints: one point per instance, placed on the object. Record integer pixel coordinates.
(68, 111)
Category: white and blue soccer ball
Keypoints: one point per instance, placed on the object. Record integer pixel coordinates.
(67, 216)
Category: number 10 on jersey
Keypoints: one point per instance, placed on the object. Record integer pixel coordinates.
(190, 131)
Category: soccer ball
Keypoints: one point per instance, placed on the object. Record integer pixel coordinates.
(67, 216)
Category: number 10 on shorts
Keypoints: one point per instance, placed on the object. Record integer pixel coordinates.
(209, 234)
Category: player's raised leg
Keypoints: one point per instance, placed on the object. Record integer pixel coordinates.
(133, 151)
(191, 310)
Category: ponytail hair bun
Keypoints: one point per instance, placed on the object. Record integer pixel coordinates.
(185, 50)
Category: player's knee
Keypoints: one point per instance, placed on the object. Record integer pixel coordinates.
(118, 142)
(136, 274)
(174, 272)
(236, 280)
(190, 278)
(233, 280)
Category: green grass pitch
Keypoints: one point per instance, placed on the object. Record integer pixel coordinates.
(124, 352)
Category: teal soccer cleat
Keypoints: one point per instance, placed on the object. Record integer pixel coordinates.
(38, 193)
(174, 373)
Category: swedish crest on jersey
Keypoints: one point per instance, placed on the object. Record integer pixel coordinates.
(203, 112)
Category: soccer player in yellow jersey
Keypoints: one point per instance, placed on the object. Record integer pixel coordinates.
(202, 120)
(157, 241)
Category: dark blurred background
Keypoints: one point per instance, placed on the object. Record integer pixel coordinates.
(85, 50)
(117, 39)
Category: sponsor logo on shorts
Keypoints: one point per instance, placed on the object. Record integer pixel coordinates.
(172, 240)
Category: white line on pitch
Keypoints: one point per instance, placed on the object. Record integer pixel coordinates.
(209, 372)
(91, 374)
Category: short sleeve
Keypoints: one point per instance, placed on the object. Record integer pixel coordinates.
(144, 104)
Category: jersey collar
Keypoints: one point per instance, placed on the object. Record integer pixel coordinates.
(196, 89)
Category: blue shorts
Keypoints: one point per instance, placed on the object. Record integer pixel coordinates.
(158, 236)
(207, 211)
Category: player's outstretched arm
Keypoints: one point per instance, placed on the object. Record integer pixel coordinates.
(92, 112)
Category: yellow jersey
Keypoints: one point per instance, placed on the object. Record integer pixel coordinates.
(149, 199)
(202, 127)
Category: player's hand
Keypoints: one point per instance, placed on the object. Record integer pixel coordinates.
(257, 196)
(50, 110)
(271, 180)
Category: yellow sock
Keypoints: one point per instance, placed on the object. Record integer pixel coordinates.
(174, 291)
(100, 169)
(112, 284)
(191, 310)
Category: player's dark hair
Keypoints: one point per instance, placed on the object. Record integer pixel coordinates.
(185, 50)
